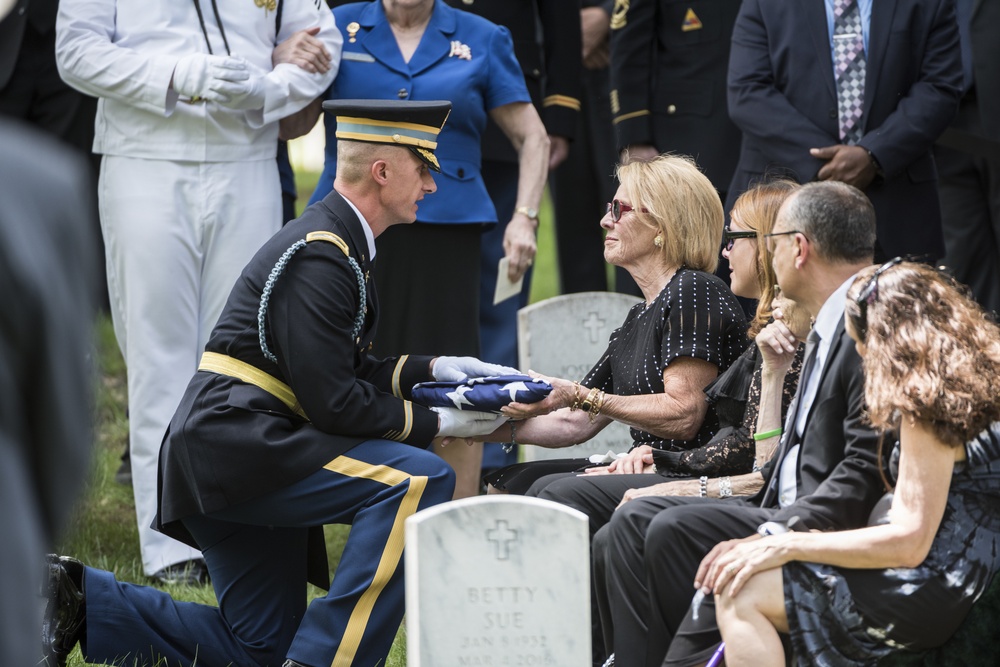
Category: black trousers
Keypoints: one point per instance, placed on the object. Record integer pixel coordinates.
(597, 496)
(645, 561)
(970, 210)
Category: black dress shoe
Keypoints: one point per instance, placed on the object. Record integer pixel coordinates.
(65, 609)
(190, 573)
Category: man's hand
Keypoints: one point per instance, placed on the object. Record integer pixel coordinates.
(198, 75)
(304, 50)
(453, 422)
(594, 25)
(244, 94)
(639, 152)
(558, 150)
(850, 164)
(519, 245)
(460, 369)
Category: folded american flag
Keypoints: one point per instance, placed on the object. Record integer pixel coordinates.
(486, 394)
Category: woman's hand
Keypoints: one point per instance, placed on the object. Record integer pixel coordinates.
(735, 561)
(639, 461)
(680, 487)
(519, 245)
(562, 396)
(777, 347)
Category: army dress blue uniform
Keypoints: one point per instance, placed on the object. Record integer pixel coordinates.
(262, 453)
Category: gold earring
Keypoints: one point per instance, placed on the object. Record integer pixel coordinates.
(658, 241)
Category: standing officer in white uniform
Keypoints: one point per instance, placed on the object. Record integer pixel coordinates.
(189, 190)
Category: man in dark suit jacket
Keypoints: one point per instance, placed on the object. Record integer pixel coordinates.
(968, 156)
(783, 97)
(824, 475)
(48, 270)
(30, 86)
(267, 445)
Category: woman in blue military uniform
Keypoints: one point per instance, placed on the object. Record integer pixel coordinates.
(429, 279)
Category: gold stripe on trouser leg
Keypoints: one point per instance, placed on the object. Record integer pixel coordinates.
(391, 554)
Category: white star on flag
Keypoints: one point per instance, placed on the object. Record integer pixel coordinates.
(458, 396)
(513, 388)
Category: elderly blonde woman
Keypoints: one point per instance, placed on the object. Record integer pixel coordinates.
(665, 228)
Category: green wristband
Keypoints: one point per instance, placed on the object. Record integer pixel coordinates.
(767, 434)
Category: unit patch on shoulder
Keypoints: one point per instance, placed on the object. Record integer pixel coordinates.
(691, 21)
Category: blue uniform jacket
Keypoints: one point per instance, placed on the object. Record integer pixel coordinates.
(461, 58)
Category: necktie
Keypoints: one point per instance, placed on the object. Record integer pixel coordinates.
(849, 68)
(790, 437)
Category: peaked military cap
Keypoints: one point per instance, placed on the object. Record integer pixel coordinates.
(401, 123)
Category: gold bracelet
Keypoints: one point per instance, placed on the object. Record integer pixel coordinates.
(576, 397)
(588, 402)
(596, 408)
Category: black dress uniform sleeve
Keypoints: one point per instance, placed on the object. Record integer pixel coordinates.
(563, 47)
(551, 68)
(341, 388)
(633, 35)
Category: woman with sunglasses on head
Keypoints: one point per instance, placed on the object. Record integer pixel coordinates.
(906, 582)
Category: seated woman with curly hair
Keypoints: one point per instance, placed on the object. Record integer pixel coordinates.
(907, 581)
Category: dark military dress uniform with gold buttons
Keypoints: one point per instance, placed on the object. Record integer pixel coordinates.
(262, 453)
(669, 60)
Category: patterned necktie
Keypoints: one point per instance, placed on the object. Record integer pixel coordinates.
(849, 68)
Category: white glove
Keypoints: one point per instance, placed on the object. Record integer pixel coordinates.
(466, 423)
(197, 74)
(245, 93)
(459, 369)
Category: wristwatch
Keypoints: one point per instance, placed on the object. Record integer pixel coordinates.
(527, 211)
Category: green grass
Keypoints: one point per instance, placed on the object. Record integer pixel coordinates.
(104, 533)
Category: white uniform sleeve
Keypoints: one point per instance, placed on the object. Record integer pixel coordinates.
(89, 61)
(289, 88)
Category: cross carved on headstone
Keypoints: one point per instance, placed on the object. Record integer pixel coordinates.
(501, 535)
(594, 324)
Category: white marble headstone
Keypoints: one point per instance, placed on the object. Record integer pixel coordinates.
(564, 337)
(498, 581)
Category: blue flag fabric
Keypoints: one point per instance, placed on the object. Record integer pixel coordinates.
(486, 394)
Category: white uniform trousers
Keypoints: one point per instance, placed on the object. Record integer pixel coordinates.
(177, 236)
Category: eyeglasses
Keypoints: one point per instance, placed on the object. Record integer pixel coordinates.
(769, 238)
(729, 237)
(618, 208)
(869, 294)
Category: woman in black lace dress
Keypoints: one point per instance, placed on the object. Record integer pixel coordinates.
(932, 363)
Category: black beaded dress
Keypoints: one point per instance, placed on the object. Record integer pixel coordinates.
(695, 315)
